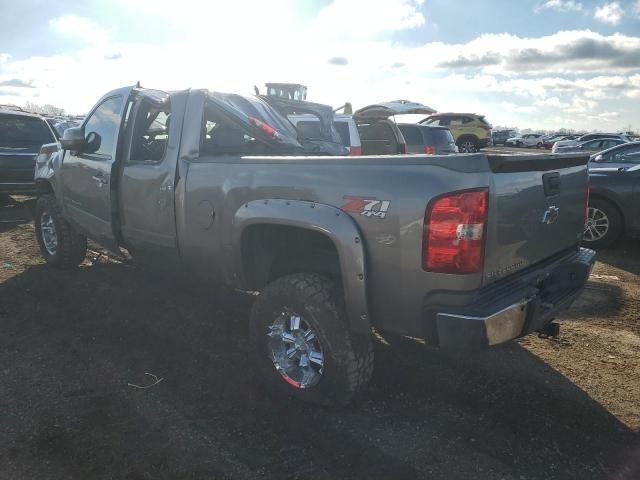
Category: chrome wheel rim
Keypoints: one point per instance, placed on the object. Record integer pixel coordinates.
(295, 350)
(467, 147)
(48, 233)
(596, 226)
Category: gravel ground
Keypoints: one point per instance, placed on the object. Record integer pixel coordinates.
(73, 344)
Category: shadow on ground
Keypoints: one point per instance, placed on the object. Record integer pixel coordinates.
(624, 254)
(15, 212)
(71, 342)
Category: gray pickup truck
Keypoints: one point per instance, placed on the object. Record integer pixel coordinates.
(463, 251)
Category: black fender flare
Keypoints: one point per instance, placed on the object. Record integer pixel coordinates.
(338, 226)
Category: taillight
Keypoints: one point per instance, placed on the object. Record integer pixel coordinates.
(586, 203)
(268, 129)
(430, 150)
(455, 231)
(356, 150)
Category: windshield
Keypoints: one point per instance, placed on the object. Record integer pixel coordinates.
(23, 132)
(310, 129)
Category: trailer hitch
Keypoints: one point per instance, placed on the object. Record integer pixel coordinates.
(551, 329)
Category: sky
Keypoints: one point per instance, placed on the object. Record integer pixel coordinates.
(539, 64)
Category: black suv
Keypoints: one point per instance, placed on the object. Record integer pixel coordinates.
(21, 136)
(426, 139)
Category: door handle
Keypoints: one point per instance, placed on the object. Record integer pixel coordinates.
(100, 180)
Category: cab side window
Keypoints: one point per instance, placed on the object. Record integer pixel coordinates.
(628, 155)
(220, 137)
(101, 129)
(150, 133)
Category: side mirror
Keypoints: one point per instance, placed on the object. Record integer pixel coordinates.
(92, 142)
(73, 139)
(597, 158)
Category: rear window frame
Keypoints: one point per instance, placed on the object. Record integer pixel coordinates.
(420, 130)
(29, 119)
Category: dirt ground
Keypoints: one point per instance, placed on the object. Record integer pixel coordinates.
(72, 344)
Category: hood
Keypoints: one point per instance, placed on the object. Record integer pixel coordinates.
(380, 111)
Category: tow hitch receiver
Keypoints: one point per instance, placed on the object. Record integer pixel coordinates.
(551, 329)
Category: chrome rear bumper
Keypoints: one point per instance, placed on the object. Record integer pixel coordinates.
(560, 285)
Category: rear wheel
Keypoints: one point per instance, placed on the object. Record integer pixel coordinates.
(468, 145)
(302, 342)
(603, 225)
(60, 245)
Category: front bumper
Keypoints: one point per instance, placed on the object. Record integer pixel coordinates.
(18, 188)
(520, 304)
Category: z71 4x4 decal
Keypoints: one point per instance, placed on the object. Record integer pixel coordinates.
(369, 207)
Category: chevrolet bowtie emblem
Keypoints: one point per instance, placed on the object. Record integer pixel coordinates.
(550, 215)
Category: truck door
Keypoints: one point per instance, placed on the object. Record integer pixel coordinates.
(86, 189)
(147, 183)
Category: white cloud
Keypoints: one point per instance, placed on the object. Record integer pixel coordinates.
(554, 102)
(561, 6)
(507, 77)
(610, 13)
(575, 51)
(368, 17)
(636, 7)
(79, 28)
(582, 105)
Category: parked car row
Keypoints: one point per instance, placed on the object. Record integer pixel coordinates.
(590, 136)
(59, 124)
(527, 140)
(370, 130)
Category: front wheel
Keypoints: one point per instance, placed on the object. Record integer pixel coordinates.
(302, 342)
(60, 245)
(603, 225)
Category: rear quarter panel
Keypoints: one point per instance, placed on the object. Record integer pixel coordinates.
(396, 282)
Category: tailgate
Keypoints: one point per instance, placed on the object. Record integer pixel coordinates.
(536, 210)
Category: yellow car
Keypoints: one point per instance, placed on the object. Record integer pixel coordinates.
(470, 131)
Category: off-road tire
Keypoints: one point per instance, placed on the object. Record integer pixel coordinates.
(348, 357)
(72, 246)
(615, 224)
